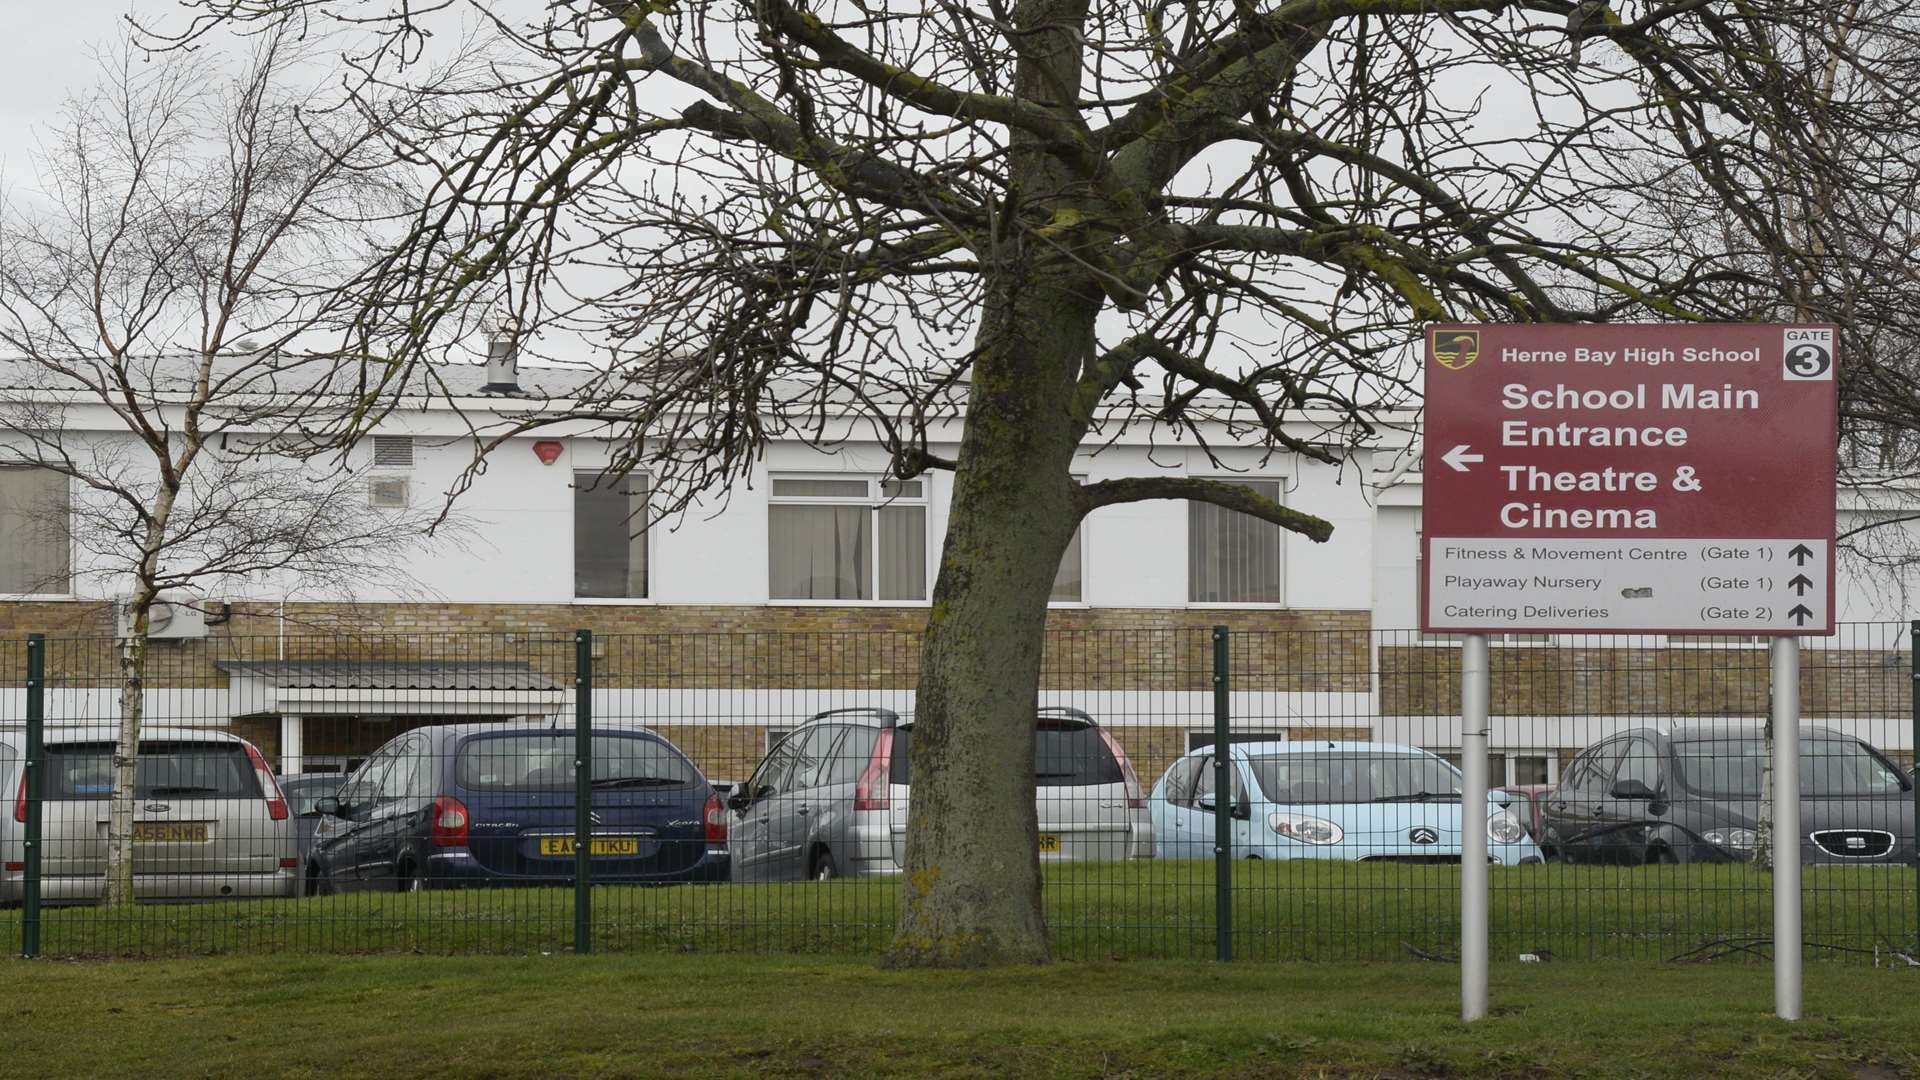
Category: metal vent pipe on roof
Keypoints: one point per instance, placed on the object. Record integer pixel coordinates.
(503, 362)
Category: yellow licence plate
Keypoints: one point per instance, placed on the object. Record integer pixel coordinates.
(1049, 843)
(169, 832)
(602, 845)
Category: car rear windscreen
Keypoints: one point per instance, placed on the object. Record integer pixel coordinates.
(303, 795)
(545, 762)
(1062, 757)
(164, 770)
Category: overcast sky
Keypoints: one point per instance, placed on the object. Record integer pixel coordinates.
(46, 53)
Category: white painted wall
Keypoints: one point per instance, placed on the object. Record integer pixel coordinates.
(512, 536)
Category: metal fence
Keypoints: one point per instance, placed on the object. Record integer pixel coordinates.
(528, 792)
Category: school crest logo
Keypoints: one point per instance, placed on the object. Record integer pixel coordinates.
(1456, 349)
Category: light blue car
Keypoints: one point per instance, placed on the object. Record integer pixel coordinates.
(1329, 800)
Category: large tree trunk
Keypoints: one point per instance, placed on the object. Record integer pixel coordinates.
(971, 893)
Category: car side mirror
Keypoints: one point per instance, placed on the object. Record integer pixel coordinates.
(1243, 810)
(1500, 798)
(329, 806)
(739, 801)
(1204, 802)
(1632, 789)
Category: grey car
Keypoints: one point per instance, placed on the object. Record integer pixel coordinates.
(831, 799)
(209, 818)
(304, 792)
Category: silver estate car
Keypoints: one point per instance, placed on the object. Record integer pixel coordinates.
(209, 819)
(831, 799)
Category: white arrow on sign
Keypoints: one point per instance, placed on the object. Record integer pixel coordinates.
(1458, 457)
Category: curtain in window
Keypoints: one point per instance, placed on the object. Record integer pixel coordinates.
(1233, 558)
(903, 553)
(35, 541)
(1066, 580)
(820, 552)
(609, 536)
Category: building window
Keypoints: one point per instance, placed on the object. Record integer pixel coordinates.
(847, 539)
(610, 536)
(1068, 579)
(1234, 558)
(1197, 739)
(1742, 641)
(35, 529)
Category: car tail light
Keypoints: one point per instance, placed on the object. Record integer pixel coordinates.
(870, 791)
(289, 864)
(716, 819)
(1136, 798)
(12, 866)
(447, 822)
(20, 801)
(276, 799)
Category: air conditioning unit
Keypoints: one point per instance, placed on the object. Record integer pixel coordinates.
(169, 619)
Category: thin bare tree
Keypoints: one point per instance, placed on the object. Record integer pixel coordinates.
(1056, 220)
(161, 284)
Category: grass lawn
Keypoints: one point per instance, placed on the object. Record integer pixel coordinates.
(1159, 909)
(660, 1014)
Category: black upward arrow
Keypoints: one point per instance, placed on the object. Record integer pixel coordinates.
(1800, 584)
(1800, 614)
(1801, 553)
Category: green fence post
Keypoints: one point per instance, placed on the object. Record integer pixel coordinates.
(36, 770)
(1913, 658)
(1222, 805)
(583, 791)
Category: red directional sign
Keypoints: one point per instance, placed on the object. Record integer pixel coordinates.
(1675, 479)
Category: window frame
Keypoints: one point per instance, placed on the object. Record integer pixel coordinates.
(1080, 534)
(874, 502)
(1279, 480)
(647, 540)
(68, 592)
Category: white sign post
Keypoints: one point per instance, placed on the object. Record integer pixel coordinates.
(1783, 718)
(1475, 690)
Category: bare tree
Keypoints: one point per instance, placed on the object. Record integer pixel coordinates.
(157, 291)
(1832, 241)
(1059, 219)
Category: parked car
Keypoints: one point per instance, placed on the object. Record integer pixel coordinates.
(1361, 801)
(1692, 793)
(209, 820)
(304, 792)
(832, 798)
(493, 804)
(1528, 802)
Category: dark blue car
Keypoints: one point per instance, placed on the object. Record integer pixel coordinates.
(493, 804)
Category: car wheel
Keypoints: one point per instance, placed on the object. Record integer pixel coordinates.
(314, 882)
(824, 868)
(409, 880)
(1661, 856)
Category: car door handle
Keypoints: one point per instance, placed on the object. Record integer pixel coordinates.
(803, 809)
(765, 818)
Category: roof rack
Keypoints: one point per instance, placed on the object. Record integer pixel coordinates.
(888, 717)
(1065, 712)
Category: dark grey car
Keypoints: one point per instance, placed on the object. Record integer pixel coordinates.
(1694, 793)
